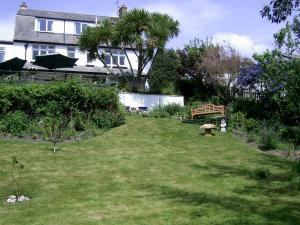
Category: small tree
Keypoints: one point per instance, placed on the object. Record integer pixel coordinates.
(16, 167)
(54, 124)
(144, 33)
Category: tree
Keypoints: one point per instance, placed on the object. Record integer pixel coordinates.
(279, 10)
(54, 124)
(143, 32)
(164, 72)
(288, 37)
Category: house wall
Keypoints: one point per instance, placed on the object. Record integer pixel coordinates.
(18, 50)
(9, 50)
(149, 101)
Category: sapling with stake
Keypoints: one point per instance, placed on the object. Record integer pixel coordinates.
(16, 167)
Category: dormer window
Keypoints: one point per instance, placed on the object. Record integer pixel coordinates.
(44, 25)
(80, 27)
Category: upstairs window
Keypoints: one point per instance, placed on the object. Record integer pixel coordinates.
(44, 25)
(80, 27)
(2, 55)
(42, 50)
(118, 58)
(71, 51)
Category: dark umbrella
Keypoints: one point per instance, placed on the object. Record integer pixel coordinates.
(13, 65)
(54, 61)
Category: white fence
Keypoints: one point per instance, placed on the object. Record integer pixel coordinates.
(149, 101)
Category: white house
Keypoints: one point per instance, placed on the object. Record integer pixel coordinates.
(40, 32)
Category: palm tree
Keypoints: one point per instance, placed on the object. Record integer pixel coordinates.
(146, 34)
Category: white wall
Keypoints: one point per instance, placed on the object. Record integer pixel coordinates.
(9, 51)
(150, 101)
(18, 50)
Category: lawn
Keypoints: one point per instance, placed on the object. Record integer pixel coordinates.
(148, 171)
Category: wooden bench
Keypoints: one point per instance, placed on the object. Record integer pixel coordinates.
(208, 109)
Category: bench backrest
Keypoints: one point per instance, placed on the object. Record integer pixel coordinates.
(209, 109)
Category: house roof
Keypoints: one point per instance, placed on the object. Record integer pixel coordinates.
(25, 26)
(62, 15)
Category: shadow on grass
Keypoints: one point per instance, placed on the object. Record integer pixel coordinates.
(277, 211)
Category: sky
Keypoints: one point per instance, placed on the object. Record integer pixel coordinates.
(228, 22)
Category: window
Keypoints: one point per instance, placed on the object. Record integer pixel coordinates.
(44, 25)
(2, 54)
(118, 57)
(71, 51)
(80, 27)
(89, 58)
(42, 50)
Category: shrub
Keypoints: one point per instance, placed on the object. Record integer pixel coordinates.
(15, 123)
(237, 120)
(168, 111)
(251, 125)
(107, 119)
(268, 138)
(72, 100)
(291, 134)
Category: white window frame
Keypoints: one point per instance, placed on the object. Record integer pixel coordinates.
(81, 27)
(42, 50)
(116, 53)
(38, 27)
(2, 51)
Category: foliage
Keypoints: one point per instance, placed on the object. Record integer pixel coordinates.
(164, 72)
(107, 119)
(291, 134)
(268, 138)
(278, 10)
(169, 111)
(54, 124)
(288, 38)
(212, 67)
(237, 120)
(146, 33)
(16, 167)
(67, 105)
(15, 123)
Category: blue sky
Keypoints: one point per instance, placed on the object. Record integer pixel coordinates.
(234, 22)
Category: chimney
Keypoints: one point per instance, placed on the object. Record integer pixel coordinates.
(122, 11)
(23, 6)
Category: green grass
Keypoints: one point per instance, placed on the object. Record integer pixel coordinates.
(148, 171)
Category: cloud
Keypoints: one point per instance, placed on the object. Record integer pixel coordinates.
(244, 44)
(7, 30)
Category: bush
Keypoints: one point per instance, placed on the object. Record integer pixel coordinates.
(15, 123)
(168, 111)
(75, 101)
(251, 125)
(107, 119)
(291, 134)
(268, 138)
(237, 120)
